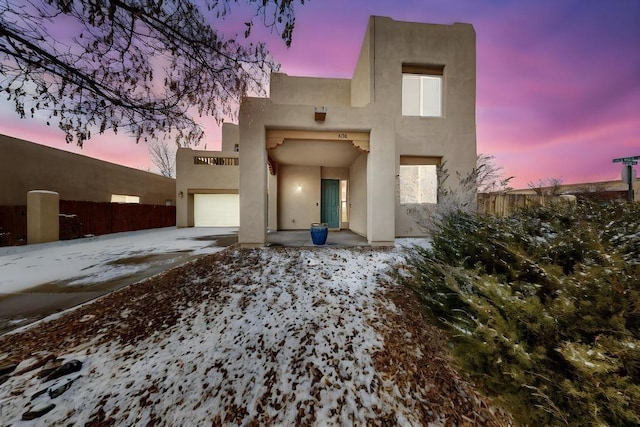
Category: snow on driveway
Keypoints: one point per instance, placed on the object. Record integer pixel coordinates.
(271, 336)
(95, 259)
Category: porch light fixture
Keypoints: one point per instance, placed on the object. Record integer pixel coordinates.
(320, 113)
(299, 188)
(181, 194)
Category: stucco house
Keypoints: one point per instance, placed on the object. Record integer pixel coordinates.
(354, 153)
(207, 184)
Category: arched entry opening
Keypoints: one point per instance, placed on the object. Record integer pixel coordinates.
(317, 176)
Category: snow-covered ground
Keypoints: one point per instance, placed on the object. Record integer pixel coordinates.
(272, 336)
(95, 259)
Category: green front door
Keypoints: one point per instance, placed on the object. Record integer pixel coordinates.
(330, 203)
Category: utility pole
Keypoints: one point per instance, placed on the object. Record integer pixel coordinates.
(628, 172)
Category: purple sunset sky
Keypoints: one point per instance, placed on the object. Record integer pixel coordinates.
(558, 82)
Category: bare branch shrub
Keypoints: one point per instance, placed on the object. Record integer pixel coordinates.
(547, 186)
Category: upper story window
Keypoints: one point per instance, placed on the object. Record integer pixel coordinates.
(422, 90)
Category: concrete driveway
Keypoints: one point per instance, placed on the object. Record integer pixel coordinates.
(40, 280)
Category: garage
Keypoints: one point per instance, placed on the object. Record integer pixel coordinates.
(216, 210)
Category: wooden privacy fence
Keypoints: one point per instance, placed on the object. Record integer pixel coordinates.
(105, 218)
(505, 204)
(13, 225)
(82, 218)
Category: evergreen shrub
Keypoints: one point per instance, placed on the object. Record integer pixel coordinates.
(543, 308)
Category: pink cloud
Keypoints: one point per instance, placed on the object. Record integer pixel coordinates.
(582, 156)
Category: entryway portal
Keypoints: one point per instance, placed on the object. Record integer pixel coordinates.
(314, 176)
(330, 202)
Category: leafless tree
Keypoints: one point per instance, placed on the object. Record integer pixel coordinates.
(547, 186)
(142, 66)
(163, 156)
(489, 176)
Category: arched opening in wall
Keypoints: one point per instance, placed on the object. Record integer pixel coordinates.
(317, 176)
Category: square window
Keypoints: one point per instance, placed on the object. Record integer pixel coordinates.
(418, 184)
(422, 89)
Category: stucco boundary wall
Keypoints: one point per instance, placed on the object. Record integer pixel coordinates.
(78, 218)
(27, 166)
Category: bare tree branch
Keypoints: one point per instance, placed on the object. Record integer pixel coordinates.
(547, 187)
(143, 66)
(163, 157)
(489, 176)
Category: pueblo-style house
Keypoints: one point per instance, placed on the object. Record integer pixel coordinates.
(354, 153)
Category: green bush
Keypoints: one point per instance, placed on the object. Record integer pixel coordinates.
(543, 308)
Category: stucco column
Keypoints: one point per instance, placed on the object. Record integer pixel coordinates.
(253, 179)
(181, 208)
(43, 209)
(272, 181)
(381, 187)
(184, 161)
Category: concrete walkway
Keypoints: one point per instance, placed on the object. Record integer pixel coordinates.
(302, 238)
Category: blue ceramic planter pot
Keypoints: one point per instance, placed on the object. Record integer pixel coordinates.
(319, 233)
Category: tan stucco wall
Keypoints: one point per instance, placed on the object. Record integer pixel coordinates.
(376, 108)
(287, 89)
(208, 179)
(25, 166)
(358, 195)
(381, 189)
(362, 81)
(335, 173)
(253, 176)
(230, 136)
(299, 197)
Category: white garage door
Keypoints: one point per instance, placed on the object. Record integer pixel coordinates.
(216, 210)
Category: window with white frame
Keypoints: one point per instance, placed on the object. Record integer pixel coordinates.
(418, 180)
(122, 198)
(344, 206)
(422, 89)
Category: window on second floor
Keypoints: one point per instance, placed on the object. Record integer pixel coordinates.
(422, 91)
